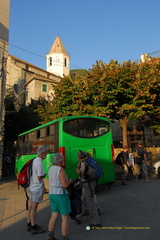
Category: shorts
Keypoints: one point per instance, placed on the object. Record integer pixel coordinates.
(124, 169)
(37, 196)
(137, 168)
(60, 203)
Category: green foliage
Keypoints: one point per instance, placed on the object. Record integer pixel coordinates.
(23, 120)
(75, 72)
(119, 91)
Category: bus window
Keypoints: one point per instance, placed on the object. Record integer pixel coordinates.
(86, 127)
(51, 138)
(43, 132)
(32, 137)
(20, 146)
(52, 129)
(47, 131)
(38, 133)
(25, 146)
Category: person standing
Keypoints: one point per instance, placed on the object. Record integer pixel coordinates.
(125, 164)
(58, 195)
(36, 189)
(88, 193)
(83, 199)
(140, 156)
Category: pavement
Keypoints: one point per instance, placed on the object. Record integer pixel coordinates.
(128, 212)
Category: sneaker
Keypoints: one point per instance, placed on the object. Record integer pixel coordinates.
(86, 212)
(92, 226)
(77, 221)
(124, 183)
(37, 230)
(28, 228)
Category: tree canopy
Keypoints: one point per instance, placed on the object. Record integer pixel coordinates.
(119, 91)
(26, 118)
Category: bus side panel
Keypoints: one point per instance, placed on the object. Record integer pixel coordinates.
(71, 160)
(99, 148)
(47, 163)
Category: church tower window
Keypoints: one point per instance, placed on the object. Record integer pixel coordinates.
(50, 61)
(65, 62)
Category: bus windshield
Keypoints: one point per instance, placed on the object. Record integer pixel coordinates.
(86, 127)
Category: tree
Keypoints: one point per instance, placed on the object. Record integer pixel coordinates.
(148, 92)
(116, 92)
(23, 120)
(119, 91)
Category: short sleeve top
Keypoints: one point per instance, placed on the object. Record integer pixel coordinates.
(37, 171)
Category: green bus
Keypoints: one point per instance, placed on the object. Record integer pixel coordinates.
(68, 135)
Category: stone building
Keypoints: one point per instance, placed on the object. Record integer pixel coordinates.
(30, 81)
(4, 36)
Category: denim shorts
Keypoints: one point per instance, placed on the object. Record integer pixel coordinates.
(60, 203)
(36, 196)
(138, 167)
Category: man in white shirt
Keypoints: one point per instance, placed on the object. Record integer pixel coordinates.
(36, 189)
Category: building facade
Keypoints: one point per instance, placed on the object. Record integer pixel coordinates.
(4, 36)
(29, 81)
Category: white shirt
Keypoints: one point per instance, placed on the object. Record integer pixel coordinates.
(37, 170)
(54, 181)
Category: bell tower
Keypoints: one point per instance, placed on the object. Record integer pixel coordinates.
(58, 60)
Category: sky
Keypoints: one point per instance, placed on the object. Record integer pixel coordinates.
(91, 30)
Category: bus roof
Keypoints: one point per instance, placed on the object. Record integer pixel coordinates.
(62, 118)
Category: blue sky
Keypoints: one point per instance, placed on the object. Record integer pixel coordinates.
(90, 30)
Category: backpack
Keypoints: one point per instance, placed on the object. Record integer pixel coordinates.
(93, 170)
(118, 159)
(25, 174)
